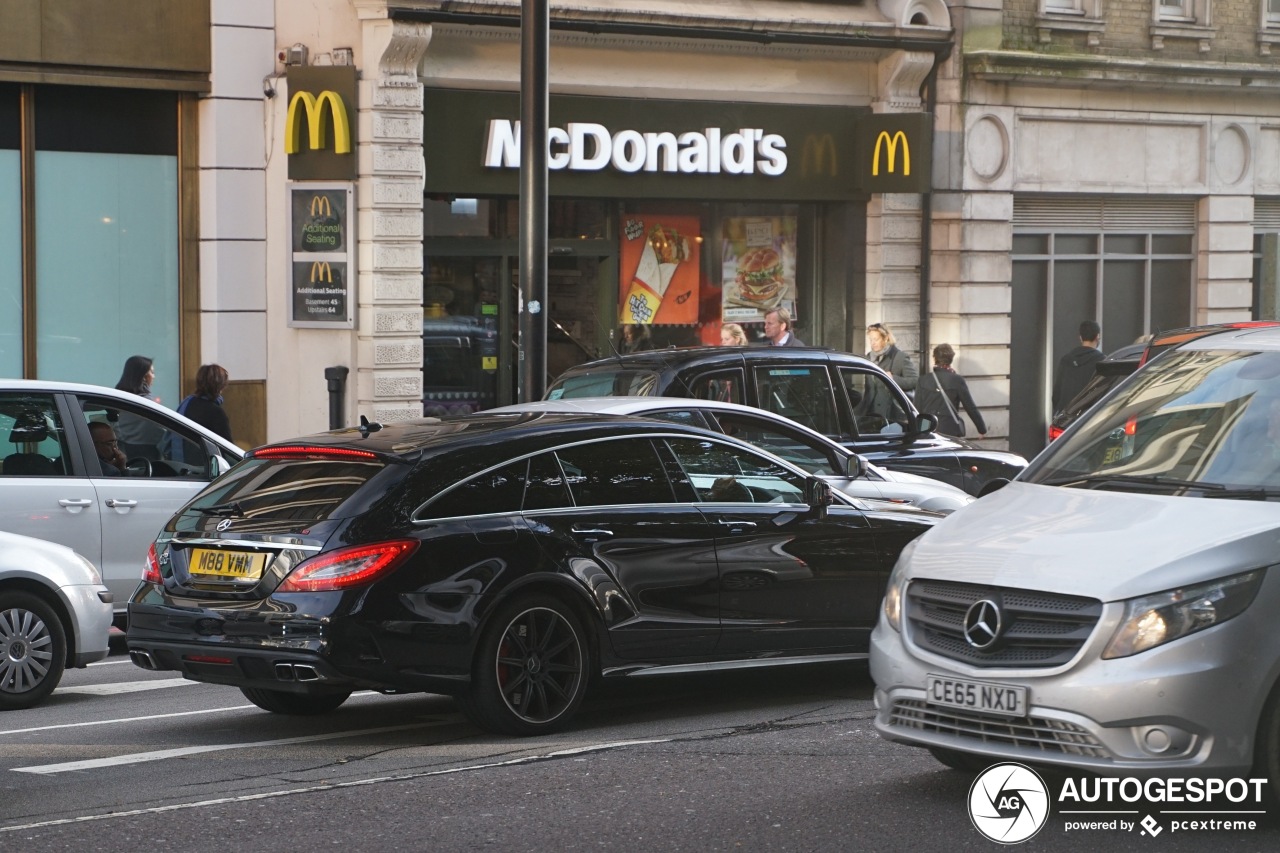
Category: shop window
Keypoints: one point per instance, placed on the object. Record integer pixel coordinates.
(10, 234)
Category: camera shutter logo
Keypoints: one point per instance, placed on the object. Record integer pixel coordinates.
(983, 623)
(1008, 803)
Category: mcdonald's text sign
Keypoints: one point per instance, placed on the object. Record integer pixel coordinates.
(319, 134)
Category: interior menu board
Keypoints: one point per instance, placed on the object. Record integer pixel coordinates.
(322, 261)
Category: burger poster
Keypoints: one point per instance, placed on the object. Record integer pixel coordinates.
(659, 269)
(759, 267)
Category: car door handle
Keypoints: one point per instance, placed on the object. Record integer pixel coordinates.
(737, 526)
(74, 502)
(592, 531)
(116, 502)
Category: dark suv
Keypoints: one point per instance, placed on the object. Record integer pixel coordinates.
(844, 396)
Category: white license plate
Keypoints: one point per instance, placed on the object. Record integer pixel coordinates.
(1008, 700)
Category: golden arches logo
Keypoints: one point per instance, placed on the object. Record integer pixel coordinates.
(321, 271)
(817, 150)
(320, 206)
(316, 109)
(891, 147)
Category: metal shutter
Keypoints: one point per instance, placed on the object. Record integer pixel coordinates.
(1105, 213)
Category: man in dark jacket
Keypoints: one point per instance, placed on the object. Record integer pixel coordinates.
(1076, 368)
(777, 329)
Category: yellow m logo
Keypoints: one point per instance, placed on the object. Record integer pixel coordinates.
(321, 271)
(891, 146)
(315, 109)
(320, 205)
(817, 150)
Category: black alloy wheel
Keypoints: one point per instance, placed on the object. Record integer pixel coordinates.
(33, 650)
(531, 669)
(1266, 746)
(295, 704)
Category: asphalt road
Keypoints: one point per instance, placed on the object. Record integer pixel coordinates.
(120, 758)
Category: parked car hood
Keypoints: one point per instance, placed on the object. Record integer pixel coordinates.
(1101, 544)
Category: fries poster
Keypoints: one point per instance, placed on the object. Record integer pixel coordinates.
(659, 271)
(759, 267)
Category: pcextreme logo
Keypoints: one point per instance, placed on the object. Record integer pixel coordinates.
(320, 206)
(819, 156)
(890, 144)
(321, 271)
(316, 108)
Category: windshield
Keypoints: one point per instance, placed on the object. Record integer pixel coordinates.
(604, 383)
(1202, 423)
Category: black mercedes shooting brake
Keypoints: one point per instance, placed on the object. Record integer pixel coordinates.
(508, 560)
(845, 397)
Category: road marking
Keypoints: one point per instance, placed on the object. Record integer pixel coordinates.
(162, 754)
(334, 786)
(123, 720)
(126, 686)
(109, 662)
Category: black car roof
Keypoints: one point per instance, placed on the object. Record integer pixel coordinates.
(663, 359)
(525, 431)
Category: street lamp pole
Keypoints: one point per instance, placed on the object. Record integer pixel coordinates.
(535, 26)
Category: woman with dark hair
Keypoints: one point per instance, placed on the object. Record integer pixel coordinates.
(138, 435)
(205, 406)
(944, 392)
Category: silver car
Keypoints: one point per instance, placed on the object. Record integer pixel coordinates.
(796, 443)
(54, 613)
(52, 486)
(1114, 608)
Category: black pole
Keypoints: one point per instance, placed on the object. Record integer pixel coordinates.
(337, 379)
(535, 27)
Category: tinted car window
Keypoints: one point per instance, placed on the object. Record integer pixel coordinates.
(171, 451)
(287, 489)
(496, 491)
(878, 407)
(546, 487)
(725, 386)
(724, 474)
(802, 394)
(605, 383)
(791, 445)
(32, 440)
(615, 472)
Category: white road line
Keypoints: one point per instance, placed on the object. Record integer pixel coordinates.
(123, 720)
(118, 687)
(109, 662)
(334, 786)
(162, 754)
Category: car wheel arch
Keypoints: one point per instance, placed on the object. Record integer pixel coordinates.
(566, 590)
(50, 596)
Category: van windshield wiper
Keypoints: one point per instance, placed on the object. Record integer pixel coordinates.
(228, 509)
(1252, 493)
(1121, 480)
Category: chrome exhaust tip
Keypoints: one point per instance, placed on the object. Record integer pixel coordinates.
(304, 672)
(284, 672)
(143, 660)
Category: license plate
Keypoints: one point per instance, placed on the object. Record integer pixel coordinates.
(1007, 700)
(240, 565)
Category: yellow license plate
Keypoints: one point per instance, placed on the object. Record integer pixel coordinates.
(227, 564)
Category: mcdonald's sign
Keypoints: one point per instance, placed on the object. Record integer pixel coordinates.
(321, 271)
(895, 153)
(323, 259)
(818, 156)
(321, 206)
(317, 133)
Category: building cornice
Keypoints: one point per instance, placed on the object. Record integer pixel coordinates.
(1011, 66)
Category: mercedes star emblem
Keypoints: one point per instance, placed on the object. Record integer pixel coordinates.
(982, 624)
(226, 522)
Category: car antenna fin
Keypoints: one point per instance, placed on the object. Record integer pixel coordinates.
(367, 426)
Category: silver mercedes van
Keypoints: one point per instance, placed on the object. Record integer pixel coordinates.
(1116, 608)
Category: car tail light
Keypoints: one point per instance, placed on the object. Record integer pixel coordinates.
(151, 569)
(1055, 431)
(310, 451)
(348, 567)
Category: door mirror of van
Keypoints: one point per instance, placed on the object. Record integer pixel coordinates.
(925, 422)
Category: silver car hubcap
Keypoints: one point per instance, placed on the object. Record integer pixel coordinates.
(26, 651)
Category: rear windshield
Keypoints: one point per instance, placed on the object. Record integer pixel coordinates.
(604, 383)
(1203, 423)
(284, 489)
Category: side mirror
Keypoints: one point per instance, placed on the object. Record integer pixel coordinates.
(817, 494)
(925, 422)
(857, 467)
(217, 466)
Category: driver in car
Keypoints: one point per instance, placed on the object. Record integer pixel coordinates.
(108, 449)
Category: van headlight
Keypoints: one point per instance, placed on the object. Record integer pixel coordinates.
(893, 595)
(1153, 620)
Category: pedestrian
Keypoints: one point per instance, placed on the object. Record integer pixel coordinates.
(1076, 368)
(636, 337)
(733, 335)
(139, 436)
(205, 406)
(884, 352)
(943, 392)
(778, 329)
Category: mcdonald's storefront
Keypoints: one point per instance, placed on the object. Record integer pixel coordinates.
(667, 219)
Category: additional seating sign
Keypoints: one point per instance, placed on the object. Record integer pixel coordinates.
(322, 261)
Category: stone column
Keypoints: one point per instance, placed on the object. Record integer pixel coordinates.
(388, 383)
(1224, 258)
